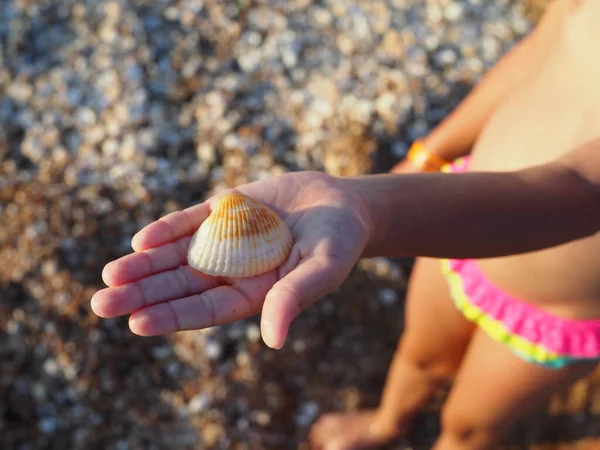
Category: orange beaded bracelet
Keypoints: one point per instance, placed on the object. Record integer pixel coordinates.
(423, 159)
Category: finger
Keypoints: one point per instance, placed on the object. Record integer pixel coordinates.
(178, 283)
(171, 227)
(145, 263)
(218, 306)
(313, 278)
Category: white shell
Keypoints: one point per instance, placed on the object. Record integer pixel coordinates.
(240, 238)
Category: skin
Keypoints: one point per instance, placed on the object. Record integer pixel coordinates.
(534, 189)
(334, 222)
(163, 294)
(483, 369)
(458, 132)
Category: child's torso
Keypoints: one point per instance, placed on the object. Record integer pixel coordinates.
(553, 112)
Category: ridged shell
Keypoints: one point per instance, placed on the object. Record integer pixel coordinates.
(240, 238)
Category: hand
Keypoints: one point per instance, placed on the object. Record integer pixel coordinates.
(405, 166)
(163, 294)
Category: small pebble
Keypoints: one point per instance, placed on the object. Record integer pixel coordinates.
(307, 413)
(387, 296)
(253, 333)
(48, 425)
(51, 367)
(262, 418)
(162, 352)
(199, 403)
(122, 445)
(213, 350)
(299, 346)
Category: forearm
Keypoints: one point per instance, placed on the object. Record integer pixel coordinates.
(476, 215)
(455, 136)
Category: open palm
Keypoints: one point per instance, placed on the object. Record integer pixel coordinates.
(163, 294)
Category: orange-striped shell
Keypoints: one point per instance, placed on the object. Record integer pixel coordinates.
(240, 238)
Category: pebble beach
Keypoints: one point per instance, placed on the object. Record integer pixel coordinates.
(114, 113)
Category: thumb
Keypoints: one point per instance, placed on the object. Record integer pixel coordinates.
(313, 278)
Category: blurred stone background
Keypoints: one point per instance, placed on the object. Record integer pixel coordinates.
(114, 113)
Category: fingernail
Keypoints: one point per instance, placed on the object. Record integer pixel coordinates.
(133, 242)
(147, 323)
(105, 275)
(269, 336)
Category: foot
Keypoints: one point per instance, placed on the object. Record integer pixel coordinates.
(350, 431)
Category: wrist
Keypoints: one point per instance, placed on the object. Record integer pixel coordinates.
(372, 208)
(424, 158)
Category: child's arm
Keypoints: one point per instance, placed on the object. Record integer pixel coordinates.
(478, 215)
(457, 133)
(333, 219)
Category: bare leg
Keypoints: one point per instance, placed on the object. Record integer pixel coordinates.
(494, 388)
(430, 352)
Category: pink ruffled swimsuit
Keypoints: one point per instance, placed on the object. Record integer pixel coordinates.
(531, 333)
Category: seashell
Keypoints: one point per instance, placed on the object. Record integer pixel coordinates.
(240, 238)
